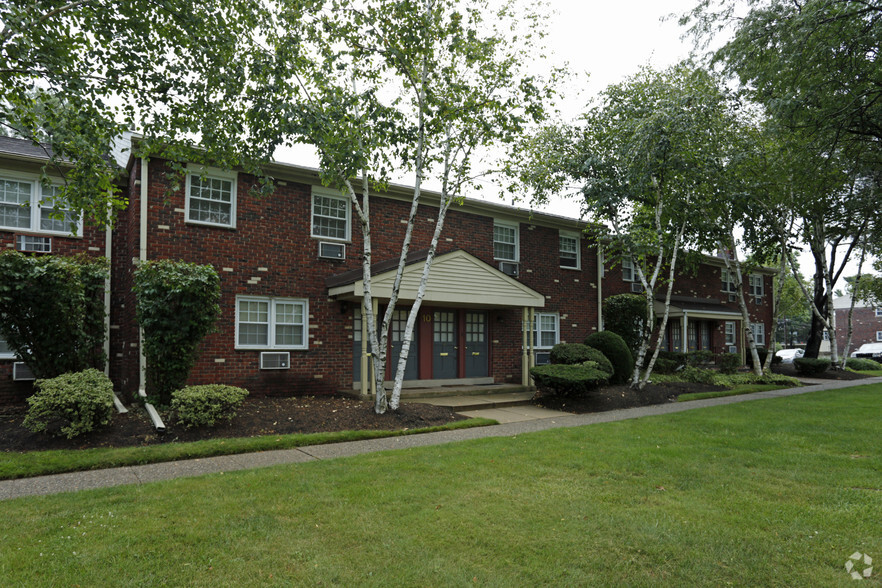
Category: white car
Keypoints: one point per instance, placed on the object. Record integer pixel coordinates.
(788, 355)
(869, 351)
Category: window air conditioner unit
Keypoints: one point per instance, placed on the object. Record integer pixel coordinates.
(731, 297)
(32, 244)
(276, 360)
(332, 250)
(21, 372)
(733, 349)
(636, 287)
(509, 268)
(543, 357)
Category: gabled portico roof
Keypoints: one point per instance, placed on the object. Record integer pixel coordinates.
(456, 279)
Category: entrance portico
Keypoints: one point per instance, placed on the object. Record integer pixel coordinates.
(454, 340)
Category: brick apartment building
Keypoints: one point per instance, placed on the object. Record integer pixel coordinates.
(507, 284)
(866, 323)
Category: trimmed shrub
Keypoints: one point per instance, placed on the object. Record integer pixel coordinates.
(762, 352)
(568, 380)
(616, 350)
(678, 358)
(177, 306)
(664, 366)
(810, 366)
(776, 359)
(203, 406)
(862, 364)
(729, 363)
(698, 375)
(623, 314)
(700, 357)
(58, 306)
(71, 404)
(577, 353)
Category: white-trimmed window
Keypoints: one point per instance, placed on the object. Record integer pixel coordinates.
(756, 285)
(878, 335)
(759, 333)
(505, 241)
(728, 279)
(569, 250)
(628, 273)
(878, 312)
(27, 204)
(5, 350)
(330, 215)
(211, 197)
(271, 323)
(546, 330)
(730, 332)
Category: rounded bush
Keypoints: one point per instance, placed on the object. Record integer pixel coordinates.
(810, 366)
(664, 366)
(71, 404)
(762, 352)
(616, 350)
(576, 353)
(862, 364)
(203, 406)
(568, 380)
(729, 363)
(700, 357)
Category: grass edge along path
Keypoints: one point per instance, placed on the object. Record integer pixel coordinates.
(774, 493)
(59, 461)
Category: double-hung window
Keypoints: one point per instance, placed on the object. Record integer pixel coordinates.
(29, 205)
(730, 333)
(756, 285)
(878, 335)
(569, 250)
(505, 241)
(271, 323)
(759, 333)
(546, 330)
(330, 215)
(628, 273)
(211, 197)
(728, 279)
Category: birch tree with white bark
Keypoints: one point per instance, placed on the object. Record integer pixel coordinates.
(415, 86)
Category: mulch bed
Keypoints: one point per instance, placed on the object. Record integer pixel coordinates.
(617, 397)
(257, 416)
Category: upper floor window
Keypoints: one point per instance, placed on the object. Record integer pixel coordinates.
(728, 279)
(878, 312)
(878, 335)
(27, 204)
(546, 330)
(756, 285)
(5, 350)
(211, 197)
(330, 216)
(569, 250)
(271, 323)
(628, 273)
(505, 241)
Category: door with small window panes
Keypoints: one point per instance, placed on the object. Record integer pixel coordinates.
(476, 360)
(444, 345)
(399, 324)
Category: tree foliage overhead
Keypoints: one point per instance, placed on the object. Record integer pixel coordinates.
(76, 75)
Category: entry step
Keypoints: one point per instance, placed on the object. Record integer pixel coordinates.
(478, 402)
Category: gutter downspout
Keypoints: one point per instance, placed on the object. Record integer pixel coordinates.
(142, 256)
(108, 253)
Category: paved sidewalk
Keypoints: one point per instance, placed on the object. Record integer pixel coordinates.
(75, 481)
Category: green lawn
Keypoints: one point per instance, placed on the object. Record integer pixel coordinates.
(736, 391)
(767, 493)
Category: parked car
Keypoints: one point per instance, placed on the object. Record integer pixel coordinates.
(788, 355)
(869, 351)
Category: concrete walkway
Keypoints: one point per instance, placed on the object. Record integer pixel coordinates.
(195, 467)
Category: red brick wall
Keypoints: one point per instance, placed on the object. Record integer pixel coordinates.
(865, 324)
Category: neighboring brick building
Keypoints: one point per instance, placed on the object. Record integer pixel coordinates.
(866, 323)
(290, 268)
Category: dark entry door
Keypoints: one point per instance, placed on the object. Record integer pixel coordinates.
(444, 349)
(399, 324)
(476, 360)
